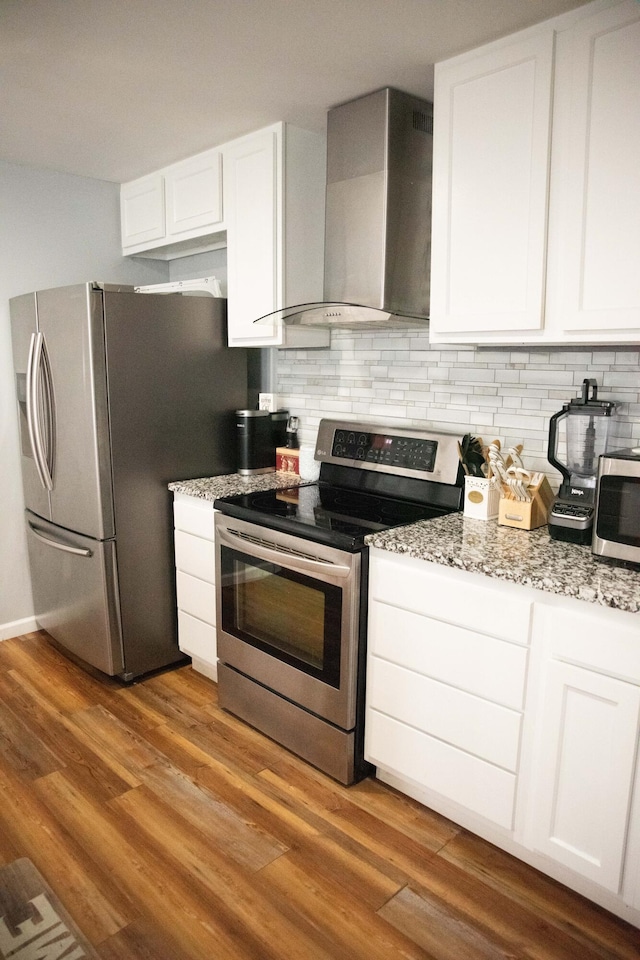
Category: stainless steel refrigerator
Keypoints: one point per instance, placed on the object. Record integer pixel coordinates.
(119, 393)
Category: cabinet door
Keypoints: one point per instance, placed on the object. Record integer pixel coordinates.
(251, 201)
(584, 771)
(194, 193)
(142, 210)
(491, 160)
(595, 215)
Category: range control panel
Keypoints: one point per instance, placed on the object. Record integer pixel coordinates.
(425, 455)
(412, 453)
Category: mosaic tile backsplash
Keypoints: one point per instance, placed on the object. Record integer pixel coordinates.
(397, 377)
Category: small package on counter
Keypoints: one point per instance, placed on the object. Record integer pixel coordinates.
(481, 497)
(288, 460)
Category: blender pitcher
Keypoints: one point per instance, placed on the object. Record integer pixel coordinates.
(588, 423)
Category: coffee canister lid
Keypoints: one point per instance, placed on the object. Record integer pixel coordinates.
(252, 413)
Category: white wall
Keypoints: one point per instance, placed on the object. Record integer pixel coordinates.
(55, 229)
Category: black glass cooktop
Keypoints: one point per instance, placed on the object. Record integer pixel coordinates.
(327, 514)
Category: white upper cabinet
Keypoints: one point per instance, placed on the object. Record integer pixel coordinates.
(274, 186)
(594, 240)
(180, 203)
(536, 186)
(490, 182)
(194, 193)
(260, 196)
(142, 211)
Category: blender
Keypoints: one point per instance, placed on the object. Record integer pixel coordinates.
(588, 422)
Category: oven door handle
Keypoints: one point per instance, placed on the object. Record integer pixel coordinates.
(292, 560)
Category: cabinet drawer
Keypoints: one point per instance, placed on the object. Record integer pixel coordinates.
(197, 638)
(194, 516)
(472, 783)
(486, 730)
(471, 661)
(456, 598)
(604, 640)
(195, 556)
(197, 597)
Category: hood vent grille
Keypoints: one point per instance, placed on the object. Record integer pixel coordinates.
(422, 121)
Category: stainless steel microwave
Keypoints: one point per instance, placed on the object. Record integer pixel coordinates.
(616, 527)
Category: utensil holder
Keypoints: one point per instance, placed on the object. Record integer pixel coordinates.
(526, 514)
(481, 498)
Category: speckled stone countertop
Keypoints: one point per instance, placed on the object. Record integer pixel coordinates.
(210, 488)
(529, 558)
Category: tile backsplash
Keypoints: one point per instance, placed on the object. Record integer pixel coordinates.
(397, 377)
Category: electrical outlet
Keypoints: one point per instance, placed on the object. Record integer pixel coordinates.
(267, 401)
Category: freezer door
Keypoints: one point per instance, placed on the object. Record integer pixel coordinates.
(70, 320)
(24, 327)
(75, 593)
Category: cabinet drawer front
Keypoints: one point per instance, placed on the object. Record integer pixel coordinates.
(605, 640)
(414, 585)
(484, 729)
(470, 661)
(195, 556)
(194, 516)
(474, 784)
(196, 597)
(197, 638)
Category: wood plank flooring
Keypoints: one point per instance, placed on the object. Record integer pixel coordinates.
(172, 831)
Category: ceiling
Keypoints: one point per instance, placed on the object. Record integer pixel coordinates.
(114, 89)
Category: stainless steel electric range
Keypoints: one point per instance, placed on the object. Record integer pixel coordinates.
(291, 575)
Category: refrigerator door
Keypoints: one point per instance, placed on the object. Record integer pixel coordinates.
(174, 386)
(24, 327)
(75, 593)
(70, 320)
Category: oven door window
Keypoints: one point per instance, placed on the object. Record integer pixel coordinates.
(619, 510)
(292, 617)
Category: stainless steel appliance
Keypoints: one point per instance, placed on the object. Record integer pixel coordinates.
(119, 393)
(255, 439)
(588, 423)
(378, 215)
(616, 529)
(291, 574)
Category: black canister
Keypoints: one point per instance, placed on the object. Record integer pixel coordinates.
(279, 427)
(256, 449)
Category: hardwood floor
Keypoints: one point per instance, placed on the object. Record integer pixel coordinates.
(171, 831)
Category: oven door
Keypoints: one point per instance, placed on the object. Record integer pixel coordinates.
(288, 616)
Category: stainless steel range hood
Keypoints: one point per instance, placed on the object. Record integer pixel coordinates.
(378, 215)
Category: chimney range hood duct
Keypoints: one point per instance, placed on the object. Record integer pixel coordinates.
(378, 215)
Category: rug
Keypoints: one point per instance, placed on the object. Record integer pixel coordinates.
(33, 923)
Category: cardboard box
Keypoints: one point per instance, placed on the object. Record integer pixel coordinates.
(288, 461)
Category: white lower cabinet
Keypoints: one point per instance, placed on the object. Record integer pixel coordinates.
(195, 581)
(586, 743)
(445, 687)
(513, 712)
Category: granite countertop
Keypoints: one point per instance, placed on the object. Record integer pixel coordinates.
(529, 558)
(210, 488)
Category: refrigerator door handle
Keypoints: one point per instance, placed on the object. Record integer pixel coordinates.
(65, 547)
(37, 370)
